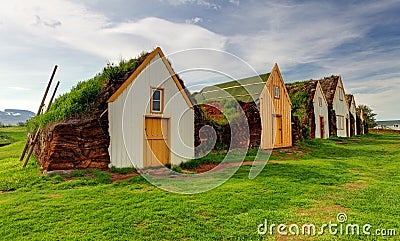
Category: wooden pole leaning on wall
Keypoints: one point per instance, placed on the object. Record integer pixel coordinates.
(31, 147)
(36, 136)
(25, 147)
(54, 95)
(28, 141)
(47, 90)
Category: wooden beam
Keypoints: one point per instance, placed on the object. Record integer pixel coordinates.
(34, 141)
(47, 90)
(32, 147)
(54, 94)
(28, 141)
(25, 147)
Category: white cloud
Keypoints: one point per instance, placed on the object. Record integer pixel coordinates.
(71, 27)
(194, 20)
(204, 3)
(290, 41)
(235, 2)
(51, 23)
(75, 26)
(303, 34)
(382, 103)
(18, 88)
(171, 36)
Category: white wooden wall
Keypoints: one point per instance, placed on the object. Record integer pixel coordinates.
(353, 111)
(362, 122)
(320, 111)
(128, 111)
(341, 108)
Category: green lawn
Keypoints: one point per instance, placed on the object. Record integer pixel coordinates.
(359, 177)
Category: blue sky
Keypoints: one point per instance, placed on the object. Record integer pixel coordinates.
(308, 39)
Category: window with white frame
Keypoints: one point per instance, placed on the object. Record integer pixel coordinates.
(157, 97)
(276, 92)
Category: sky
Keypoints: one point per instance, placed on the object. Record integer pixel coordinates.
(359, 40)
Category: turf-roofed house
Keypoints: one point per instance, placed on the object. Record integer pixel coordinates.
(273, 106)
(339, 119)
(310, 107)
(135, 113)
(351, 104)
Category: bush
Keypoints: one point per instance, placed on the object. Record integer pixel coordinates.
(177, 169)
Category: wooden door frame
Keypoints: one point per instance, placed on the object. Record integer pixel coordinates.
(322, 124)
(168, 141)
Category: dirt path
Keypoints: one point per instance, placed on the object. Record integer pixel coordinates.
(115, 177)
(205, 167)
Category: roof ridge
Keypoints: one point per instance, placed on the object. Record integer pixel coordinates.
(232, 87)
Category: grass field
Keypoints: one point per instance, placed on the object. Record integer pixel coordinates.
(359, 177)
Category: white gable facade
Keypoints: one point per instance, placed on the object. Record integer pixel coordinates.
(341, 110)
(321, 113)
(151, 120)
(362, 122)
(353, 111)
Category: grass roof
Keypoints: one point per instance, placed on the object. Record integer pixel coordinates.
(329, 85)
(302, 94)
(88, 97)
(349, 98)
(245, 90)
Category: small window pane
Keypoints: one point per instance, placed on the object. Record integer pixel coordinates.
(156, 105)
(276, 92)
(156, 95)
(156, 100)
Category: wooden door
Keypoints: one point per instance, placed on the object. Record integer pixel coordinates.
(347, 127)
(322, 127)
(278, 130)
(156, 148)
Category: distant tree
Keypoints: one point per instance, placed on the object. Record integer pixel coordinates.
(369, 115)
(21, 123)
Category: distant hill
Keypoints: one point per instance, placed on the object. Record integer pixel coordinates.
(11, 117)
(390, 124)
